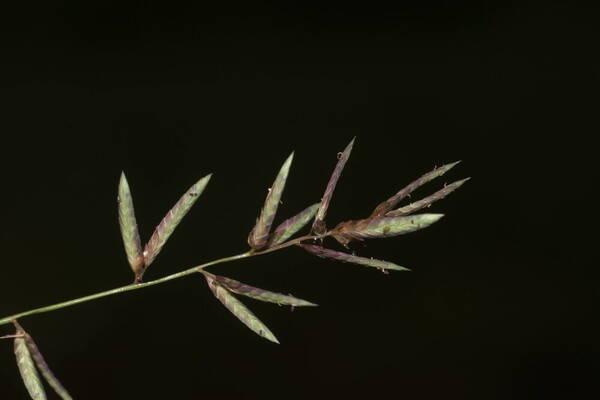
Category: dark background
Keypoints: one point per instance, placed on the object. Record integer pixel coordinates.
(502, 301)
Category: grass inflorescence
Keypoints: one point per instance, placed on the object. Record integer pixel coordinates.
(385, 220)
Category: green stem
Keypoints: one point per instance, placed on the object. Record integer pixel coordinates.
(136, 286)
(122, 289)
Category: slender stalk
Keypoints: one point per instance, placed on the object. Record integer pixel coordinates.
(136, 286)
(122, 289)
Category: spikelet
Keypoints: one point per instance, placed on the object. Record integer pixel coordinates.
(393, 201)
(29, 374)
(40, 362)
(292, 225)
(129, 229)
(238, 309)
(258, 237)
(345, 257)
(319, 227)
(168, 224)
(427, 201)
(382, 227)
(45, 370)
(259, 294)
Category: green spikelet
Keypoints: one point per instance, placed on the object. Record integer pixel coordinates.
(168, 224)
(45, 370)
(129, 229)
(29, 374)
(375, 228)
(238, 309)
(259, 294)
(260, 233)
(427, 201)
(391, 203)
(292, 225)
(345, 257)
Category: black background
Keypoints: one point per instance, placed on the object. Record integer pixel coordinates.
(502, 301)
